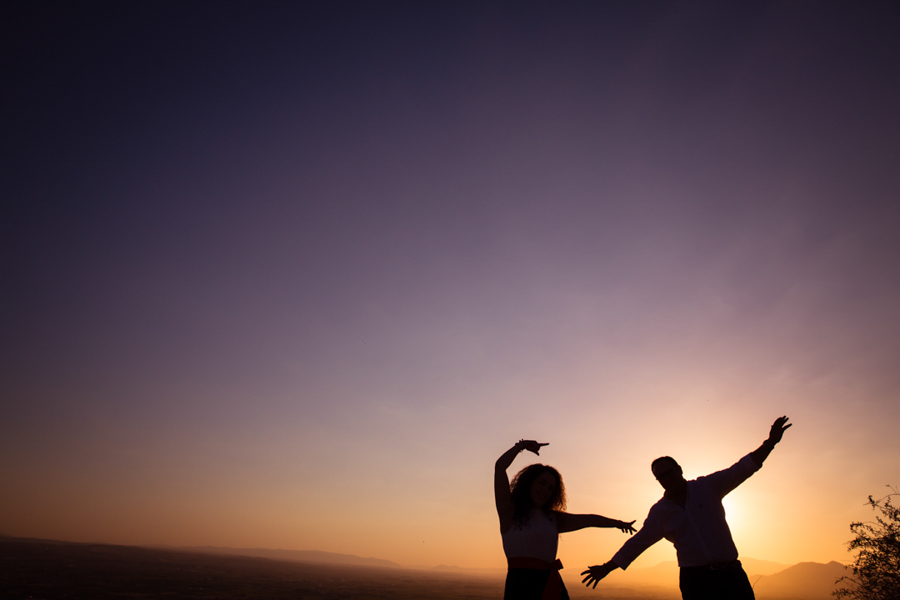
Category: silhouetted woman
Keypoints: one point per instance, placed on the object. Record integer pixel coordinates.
(531, 519)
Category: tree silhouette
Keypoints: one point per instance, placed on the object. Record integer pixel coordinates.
(876, 568)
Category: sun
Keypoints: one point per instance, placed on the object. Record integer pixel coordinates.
(735, 515)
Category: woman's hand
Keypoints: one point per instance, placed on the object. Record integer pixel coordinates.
(626, 527)
(531, 446)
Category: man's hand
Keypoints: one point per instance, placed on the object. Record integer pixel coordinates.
(778, 428)
(775, 434)
(596, 573)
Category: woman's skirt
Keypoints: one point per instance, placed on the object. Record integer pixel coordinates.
(534, 584)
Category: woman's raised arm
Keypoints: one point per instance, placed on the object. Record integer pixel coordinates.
(502, 494)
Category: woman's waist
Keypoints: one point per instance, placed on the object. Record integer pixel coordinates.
(530, 562)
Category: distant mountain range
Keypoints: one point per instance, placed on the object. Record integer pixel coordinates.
(305, 556)
(803, 581)
(770, 580)
(666, 573)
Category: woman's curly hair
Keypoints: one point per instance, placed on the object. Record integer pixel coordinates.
(520, 489)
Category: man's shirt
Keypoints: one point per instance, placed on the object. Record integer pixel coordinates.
(698, 530)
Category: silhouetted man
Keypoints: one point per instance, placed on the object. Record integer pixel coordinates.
(691, 516)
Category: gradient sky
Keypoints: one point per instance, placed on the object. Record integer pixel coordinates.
(294, 275)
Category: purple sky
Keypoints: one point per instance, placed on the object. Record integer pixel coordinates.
(293, 254)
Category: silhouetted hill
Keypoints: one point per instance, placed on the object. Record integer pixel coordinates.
(803, 581)
(497, 572)
(771, 580)
(758, 567)
(304, 556)
(666, 573)
(52, 570)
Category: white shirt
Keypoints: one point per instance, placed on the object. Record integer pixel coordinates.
(539, 538)
(698, 530)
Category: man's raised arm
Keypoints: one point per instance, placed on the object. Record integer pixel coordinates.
(775, 434)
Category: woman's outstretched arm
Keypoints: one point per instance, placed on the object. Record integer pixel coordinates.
(502, 494)
(568, 522)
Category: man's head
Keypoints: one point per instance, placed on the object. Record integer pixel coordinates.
(668, 473)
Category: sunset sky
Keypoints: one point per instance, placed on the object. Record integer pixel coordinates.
(293, 275)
